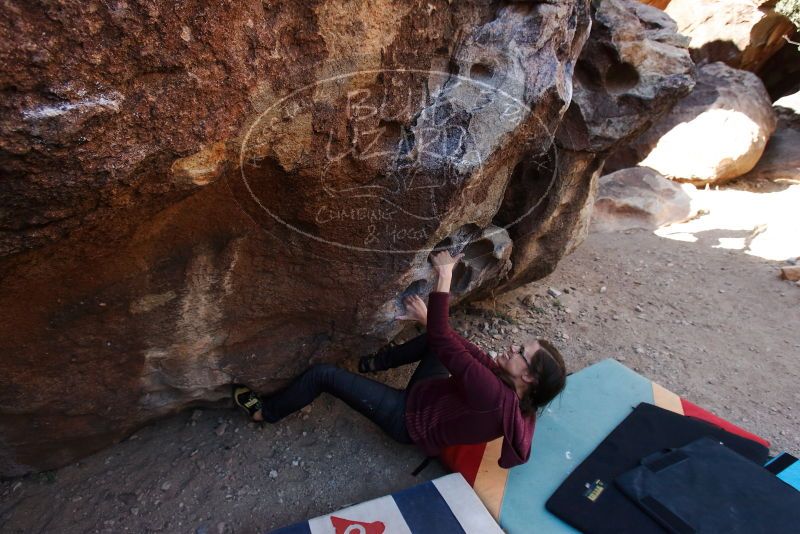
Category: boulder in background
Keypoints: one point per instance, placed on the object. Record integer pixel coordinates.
(743, 34)
(716, 133)
(638, 197)
(781, 158)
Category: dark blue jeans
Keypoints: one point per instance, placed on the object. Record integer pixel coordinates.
(383, 405)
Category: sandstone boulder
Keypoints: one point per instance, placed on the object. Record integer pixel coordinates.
(781, 158)
(715, 134)
(232, 194)
(744, 34)
(781, 73)
(195, 198)
(638, 197)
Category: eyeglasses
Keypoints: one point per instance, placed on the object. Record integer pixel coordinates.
(520, 351)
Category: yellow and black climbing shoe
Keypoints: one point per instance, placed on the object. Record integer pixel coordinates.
(245, 398)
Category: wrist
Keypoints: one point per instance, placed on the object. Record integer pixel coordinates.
(443, 283)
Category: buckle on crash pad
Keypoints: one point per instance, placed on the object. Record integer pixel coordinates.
(422, 466)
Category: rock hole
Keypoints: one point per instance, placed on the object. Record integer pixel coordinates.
(652, 25)
(530, 182)
(458, 240)
(444, 244)
(479, 254)
(481, 73)
(587, 75)
(417, 287)
(621, 77)
(462, 276)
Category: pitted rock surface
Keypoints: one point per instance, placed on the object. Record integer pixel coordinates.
(631, 71)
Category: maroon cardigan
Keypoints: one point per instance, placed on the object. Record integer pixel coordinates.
(473, 405)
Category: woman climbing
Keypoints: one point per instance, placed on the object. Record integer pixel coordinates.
(457, 394)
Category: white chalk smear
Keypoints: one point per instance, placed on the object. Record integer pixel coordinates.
(110, 101)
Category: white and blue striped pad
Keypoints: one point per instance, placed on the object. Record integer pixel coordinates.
(442, 506)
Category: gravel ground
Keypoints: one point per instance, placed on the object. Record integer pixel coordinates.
(716, 326)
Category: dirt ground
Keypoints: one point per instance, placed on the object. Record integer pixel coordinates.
(714, 325)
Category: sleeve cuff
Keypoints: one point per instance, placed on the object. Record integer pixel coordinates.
(438, 310)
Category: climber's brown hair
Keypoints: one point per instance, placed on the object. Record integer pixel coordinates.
(550, 378)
